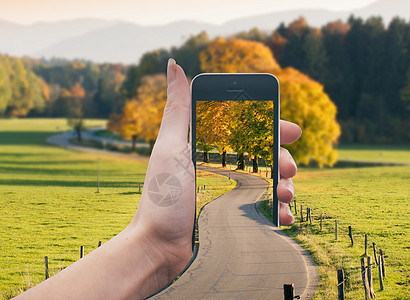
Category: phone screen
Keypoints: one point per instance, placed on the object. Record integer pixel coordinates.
(235, 128)
(236, 136)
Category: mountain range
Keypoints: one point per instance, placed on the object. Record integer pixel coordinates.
(124, 42)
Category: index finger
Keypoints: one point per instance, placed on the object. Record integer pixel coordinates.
(289, 132)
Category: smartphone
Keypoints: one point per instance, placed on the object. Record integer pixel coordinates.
(235, 121)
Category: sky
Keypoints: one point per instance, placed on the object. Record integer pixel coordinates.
(158, 12)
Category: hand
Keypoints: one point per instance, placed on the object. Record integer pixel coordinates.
(289, 132)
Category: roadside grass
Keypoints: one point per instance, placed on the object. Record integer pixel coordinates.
(375, 153)
(371, 200)
(50, 205)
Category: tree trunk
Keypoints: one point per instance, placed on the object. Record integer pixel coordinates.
(255, 164)
(134, 141)
(206, 157)
(224, 159)
(79, 137)
(241, 162)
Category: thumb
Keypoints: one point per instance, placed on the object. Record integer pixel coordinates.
(175, 120)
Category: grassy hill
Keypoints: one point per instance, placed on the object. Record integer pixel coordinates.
(49, 201)
(374, 201)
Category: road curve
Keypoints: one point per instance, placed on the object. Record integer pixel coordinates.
(240, 255)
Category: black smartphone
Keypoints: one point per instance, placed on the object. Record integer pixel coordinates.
(235, 121)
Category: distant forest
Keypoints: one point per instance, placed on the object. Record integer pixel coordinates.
(363, 65)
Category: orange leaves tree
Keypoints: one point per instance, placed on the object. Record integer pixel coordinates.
(236, 55)
(141, 117)
(303, 101)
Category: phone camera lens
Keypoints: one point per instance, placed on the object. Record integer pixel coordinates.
(235, 83)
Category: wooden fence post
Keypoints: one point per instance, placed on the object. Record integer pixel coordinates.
(350, 234)
(364, 279)
(296, 212)
(370, 277)
(289, 291)
(310, 216)
(98, 175)
(335, 229)
(307, 214)
(301, 213)
(380, 273)
(81, 251)
(374, 251)
(99, 243)
(46, 267)
(365, 244)
(383, 268)
(340, 284)
(321, 220)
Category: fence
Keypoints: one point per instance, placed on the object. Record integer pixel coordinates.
(366, 271)
(48, 262)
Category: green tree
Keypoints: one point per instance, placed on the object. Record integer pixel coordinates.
(5, 86)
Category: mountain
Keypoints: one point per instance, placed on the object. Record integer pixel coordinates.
(21, 40)
(124, 42)
(119, 41)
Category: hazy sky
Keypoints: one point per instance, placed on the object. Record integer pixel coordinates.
(152, 12)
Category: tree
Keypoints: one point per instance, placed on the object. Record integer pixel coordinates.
(75, 109)
(303, 101)
(5, 86)
(236, 55)
(141, 118)
(128, 123)
(212, 127)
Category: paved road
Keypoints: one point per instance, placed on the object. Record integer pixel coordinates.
(241, 256)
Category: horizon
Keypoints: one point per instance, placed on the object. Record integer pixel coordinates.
(147, 14)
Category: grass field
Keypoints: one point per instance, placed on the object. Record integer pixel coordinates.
(371, 200)
(375, 153)
(50, 205)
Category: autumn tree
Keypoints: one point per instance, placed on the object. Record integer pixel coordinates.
(212, 127)
(128, 123)
(74, 108)
(141, 118)
(236, 56)
(303, 101)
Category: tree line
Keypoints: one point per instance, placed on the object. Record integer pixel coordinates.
(223, 125)
(59, 88)
(363, 66)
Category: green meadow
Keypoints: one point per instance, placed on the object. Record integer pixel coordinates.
(374, 201)
(49, 201)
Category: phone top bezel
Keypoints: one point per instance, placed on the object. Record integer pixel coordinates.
(256, 87)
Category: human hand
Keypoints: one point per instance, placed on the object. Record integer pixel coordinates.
(289, 132)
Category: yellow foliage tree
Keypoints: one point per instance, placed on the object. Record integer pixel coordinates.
(303, 100)
(141, 117)
(236, 56)
(213, 121)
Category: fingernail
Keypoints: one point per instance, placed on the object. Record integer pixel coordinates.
(171, 70)
(290, 187)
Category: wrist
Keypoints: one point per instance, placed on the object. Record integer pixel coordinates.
(162, 260)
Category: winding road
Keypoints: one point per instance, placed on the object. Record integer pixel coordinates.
(241, 256)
